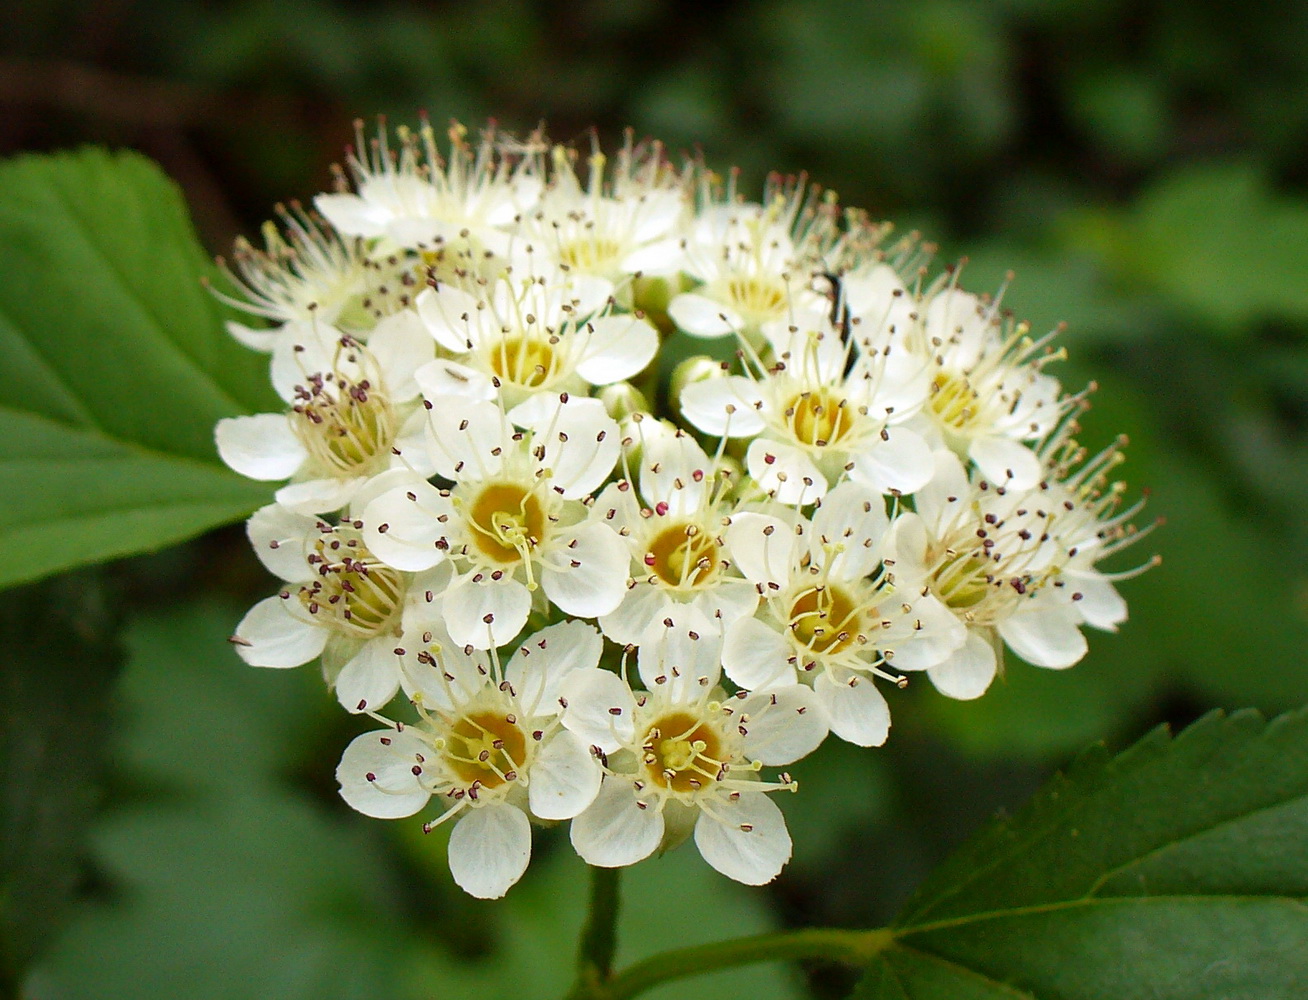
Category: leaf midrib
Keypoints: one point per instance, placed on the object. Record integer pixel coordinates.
(1091, 902)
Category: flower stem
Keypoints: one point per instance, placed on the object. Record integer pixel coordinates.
(844, 946)
(599, 938)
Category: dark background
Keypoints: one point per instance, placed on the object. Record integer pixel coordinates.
(1140, 166)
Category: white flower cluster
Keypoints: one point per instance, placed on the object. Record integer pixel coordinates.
(613, 588)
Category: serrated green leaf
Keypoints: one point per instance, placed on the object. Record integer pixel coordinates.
(117, 367)
(1175, 870)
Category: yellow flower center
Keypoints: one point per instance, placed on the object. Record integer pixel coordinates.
(757, 298)
(953, 401)
(819, 418)
(682, 556)
(352, 592)
(529, 362)
(682, 752)
(346, 427)
(486, 748)
(825, 619)
(507, 522)
(595, 256)
(963, 582)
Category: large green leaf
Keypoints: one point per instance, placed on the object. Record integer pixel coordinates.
(1177, 870)
(116, 367)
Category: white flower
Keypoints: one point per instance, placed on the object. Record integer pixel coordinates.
(513, 525)
(354, 412)
(837, 611)
(417, 197)
(339, 602)
(546, 336)
(308, 273)
(673, 528)
(881, 309)
(752, 271)
(682, 755)
(989, 394)
(813, 422)
(616, 225)
(488, 748)
(1016, 566)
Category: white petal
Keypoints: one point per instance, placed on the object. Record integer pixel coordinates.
(486, 614)
(764, 548)
(701, 316)
(376, 774)
(681, 654)
(662, 257)
(1046, 637)
(615, 831)
(304, 349)
(351, 215)
(444, 381)
(730, 599)
(852, 516)
(903, 383)
(565, 778)
(674, 471)
(457, 320)
(600, 708)
(318, 496)
(410, 449)
(875, 292)
(270, 636)
(968, 672)
(545, 658)
(261, 339)
(589, 578)
(949, 480)
(745, 840)
(262, 447)
(756, 656)
(643, 604)
(281, 539)
(1099, 604)
(490, 846)
(934, 633)
(400, 344)
(907, 545)
(462, 441)
(1005, 461)
(409, 534)
(900, 463)
(782, 725)
(961, 321)
(855, 709)
(785, 471)
(371, 677)
(619, 347)
(581, 445)
(730, 406)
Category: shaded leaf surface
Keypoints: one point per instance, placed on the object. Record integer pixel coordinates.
(60, 659)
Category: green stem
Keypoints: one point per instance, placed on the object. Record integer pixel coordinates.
(599, 938)
(843, 946)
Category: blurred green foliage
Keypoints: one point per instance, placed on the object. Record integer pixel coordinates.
(1143, 168)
